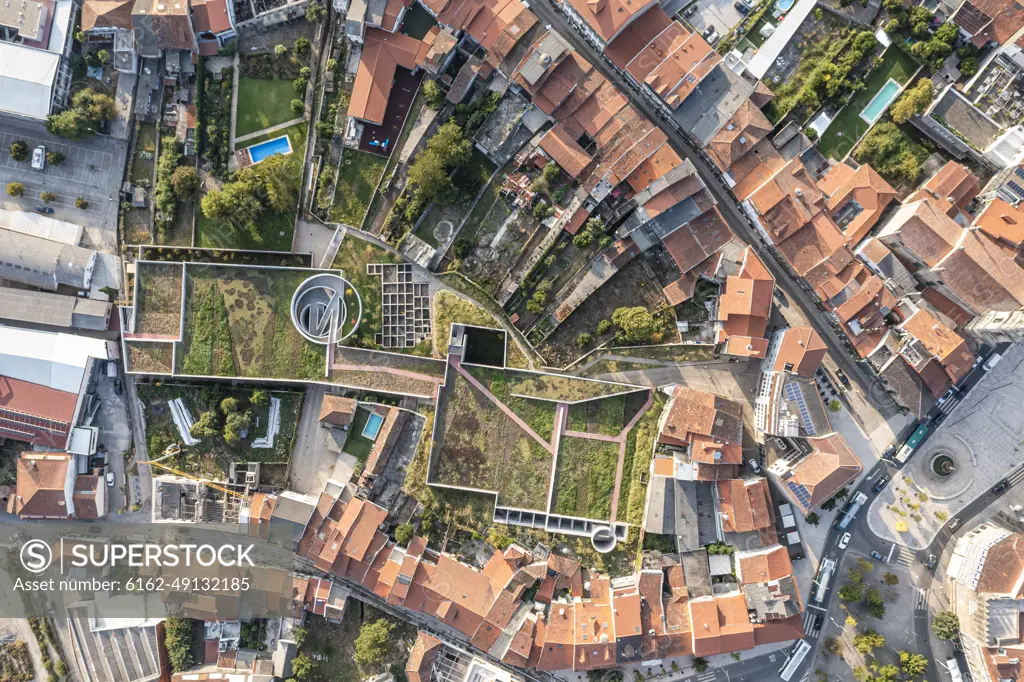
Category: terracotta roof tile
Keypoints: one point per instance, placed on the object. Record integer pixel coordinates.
(382, 52)
(39, 491)
(800, 352)
(565, 151)
(747, 127)
(609, 17)
(763, 565)
(829, 467)
(945, 345)
(1000, 220)
(638, 34)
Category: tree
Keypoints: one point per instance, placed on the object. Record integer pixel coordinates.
(19, 150)
(584, 340)
(542, 210)
(403, 533)
(300, 83)
(862, 674)
(811, 133)
(913, 101)
(298, 106)
(178, 639)
(81, 203)
(969, 66)
(829, 504)
(103, 56)
(274, 181)
(280, 50)
(890, 579)
(332, 64)
(96, 107)
(834, 405)
(876, 606)
(55, 158)
(373, 642)
(315, 11)
(946, 625)
(259, 397)
(583, 239)
(699, 665)
(912, 665)
(68, 123)
(229, 405)
(433, 97)
(551, 171)
(48, 197)
(604, 326)
(947, 33)
(812, 518)
(534, 307)
(851, 592)
(234, 424)
(234, 203)
(302, 667)
(185, 181)
(306, 72)
(850, 620)
(886, 673)
(15, 189)
(868, 640)
(462, 247)
(206, 426)
(833, 645)
(302, 45)
(636, 324)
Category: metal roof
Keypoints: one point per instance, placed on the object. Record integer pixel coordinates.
(40, 307)
(47, 358)
(28, 222)
(44, 263)
(27, 76)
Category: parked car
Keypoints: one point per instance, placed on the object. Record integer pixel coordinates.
(110, 479)
(710, 35)
(688, 12)
(842, 377)
(931, 561)
(844, 541)
(39, 157)
(754, 466)
(947, 395)
(117, 386)
(992, 361)
(954, 524)
(939, 418)
(880, 484)
(1000, 488)
(877, 556)
(46, 210)
(889, 452)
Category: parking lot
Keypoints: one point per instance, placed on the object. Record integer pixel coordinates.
(722, 14)
(92, 169)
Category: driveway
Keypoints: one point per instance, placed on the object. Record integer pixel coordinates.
(115, 435)
(316, 456)
(722, 14)
(93, 169)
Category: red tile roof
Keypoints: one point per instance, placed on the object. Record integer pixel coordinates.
(35, 413)
(638, 34)
(609, 17)
(745, 304)
(562, 147)
(382, 53)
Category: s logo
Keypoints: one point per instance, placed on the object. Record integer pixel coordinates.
(36, 556)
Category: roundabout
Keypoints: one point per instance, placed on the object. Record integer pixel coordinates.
(321, 308)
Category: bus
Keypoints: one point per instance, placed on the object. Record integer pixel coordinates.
(790, 667)
(908, 448)
(824, 577)
(850, 513)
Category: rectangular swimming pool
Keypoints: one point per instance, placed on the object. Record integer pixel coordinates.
(880, 102)
(372, 426)
(279, 145)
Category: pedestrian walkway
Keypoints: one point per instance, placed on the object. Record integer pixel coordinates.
(271, 129)
(903, 556)
(920, 599)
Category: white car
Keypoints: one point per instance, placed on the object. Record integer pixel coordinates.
(39, 157)
(754, 466)
(110, 481)
(844, 541)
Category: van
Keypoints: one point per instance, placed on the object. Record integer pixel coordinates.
(39, 157)
(111, 368)
(992, 361)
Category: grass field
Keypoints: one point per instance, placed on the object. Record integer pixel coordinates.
(585, 477)
(848, 126)
(450, 309)
(353, 256)
(275, 233)
(539, 414)
(357, 179)
(155, 358)
(483, 448)
(636, 468)
(238, 323)
(554, 387)
(158, 310)
(142, 161)
(263, 102)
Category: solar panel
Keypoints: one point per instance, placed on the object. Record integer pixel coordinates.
(1019, 172)
(801, 493)
(793, 394)
(1016, 188)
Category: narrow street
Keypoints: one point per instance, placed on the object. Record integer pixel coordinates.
(873, 394)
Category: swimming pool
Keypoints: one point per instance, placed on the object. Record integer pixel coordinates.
(878, 104)
(279, 145)
(786, 5)
(372, 427)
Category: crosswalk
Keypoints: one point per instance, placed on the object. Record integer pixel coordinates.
(707, 677)
(903, 556)
(920, 599)
(948, 406)
(1016, 476)
(809, 618)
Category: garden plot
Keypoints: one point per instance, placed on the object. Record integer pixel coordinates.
(585, 477)
(354, 255)
(358, 176)
(158, 308)
(238, 323)
(150, 358)
(551, 387)
(606, 417)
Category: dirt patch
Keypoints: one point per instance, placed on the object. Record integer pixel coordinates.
(158, 310)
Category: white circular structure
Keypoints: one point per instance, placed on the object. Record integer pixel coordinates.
(319, 309)
(603, 539)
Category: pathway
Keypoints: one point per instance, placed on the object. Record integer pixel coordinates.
(234, 107)
(271, 129)
(457, 364)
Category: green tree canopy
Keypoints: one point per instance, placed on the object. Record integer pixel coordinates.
(404, 533)
(867, 641)
(178, 638)
(913, 101)
(636, 323)
(946, 625)
(373, 642)
(185, 181)
(913, 665)
(206, 426)
(851, 592)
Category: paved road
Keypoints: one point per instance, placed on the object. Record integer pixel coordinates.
(727, 204)
(307, 467)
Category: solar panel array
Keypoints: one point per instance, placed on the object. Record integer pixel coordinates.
(794, 394)
(801, 493)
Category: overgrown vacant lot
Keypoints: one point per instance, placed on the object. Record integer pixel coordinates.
(214, 454)
(406, 363)
(237, 323)
(481, 447)
(158, 310)
(539, 414)
(156, 358)
(585, 477)
(635, 470)
(353, 256)
(550, 386)
(358, 176)
(383, 381)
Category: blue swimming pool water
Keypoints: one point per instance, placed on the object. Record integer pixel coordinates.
(880, 101)
(786, 5)
(279, 145)
(373, 424)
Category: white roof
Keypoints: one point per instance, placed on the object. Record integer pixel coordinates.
(60, 26)
(47, 358)
(27, 222)
(783, 36)
(26, 79)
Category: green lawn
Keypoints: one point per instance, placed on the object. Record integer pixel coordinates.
(355, 444)
(357, 179)
(353, 256)
(585, 477)
(263, 103)
(896, 64)
(145, 147)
